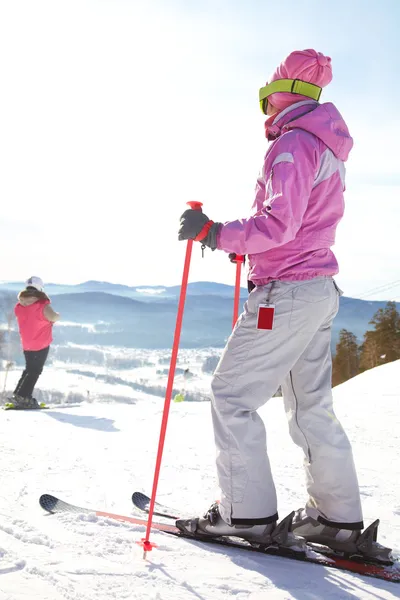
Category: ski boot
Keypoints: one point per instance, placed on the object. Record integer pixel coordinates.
(21, 403)
(346, 541)
(212, 525)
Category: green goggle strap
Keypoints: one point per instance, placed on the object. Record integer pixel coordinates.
(294, 86)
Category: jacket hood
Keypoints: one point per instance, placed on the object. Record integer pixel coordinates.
(326, 123)
(26, 300)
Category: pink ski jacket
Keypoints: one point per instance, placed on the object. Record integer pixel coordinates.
(299, 198)
(35, 330)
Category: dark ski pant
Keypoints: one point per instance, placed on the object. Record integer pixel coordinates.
(34, 363)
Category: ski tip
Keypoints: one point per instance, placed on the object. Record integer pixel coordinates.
(140, 499)
(48, 502)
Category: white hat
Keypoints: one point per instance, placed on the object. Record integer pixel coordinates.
(35, 282)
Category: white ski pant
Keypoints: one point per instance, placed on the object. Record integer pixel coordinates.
(296, 355)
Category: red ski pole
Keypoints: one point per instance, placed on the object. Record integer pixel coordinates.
(145, 542)
(239, 260)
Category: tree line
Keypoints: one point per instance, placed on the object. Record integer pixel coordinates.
(380, 345)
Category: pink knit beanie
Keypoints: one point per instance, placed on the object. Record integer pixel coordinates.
(307, 65)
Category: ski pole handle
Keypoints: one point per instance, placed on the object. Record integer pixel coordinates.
(195, 205)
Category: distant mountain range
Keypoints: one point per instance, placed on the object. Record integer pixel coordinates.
(137, 292)
(101, 313)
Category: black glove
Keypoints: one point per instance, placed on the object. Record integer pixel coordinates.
(195, 225)
(232, 257)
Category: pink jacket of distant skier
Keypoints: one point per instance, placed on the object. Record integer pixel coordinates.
(35, 330)
(299, 198)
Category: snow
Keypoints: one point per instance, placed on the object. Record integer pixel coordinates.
(95, 454)
(91, 327)
(150, 291)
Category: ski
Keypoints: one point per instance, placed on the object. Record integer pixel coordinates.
(142, 502)
(11, 406)
(53, 505)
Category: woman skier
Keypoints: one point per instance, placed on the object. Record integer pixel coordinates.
(35, 318)
(283, 337)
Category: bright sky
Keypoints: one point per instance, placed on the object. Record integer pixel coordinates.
(115, 113)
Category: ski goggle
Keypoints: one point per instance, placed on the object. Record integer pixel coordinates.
(294, 86)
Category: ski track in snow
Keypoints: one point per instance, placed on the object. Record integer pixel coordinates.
(96, 454)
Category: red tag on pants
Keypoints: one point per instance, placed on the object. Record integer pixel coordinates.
(265, 318)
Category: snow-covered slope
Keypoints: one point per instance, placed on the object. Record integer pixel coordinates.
(95, 454)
